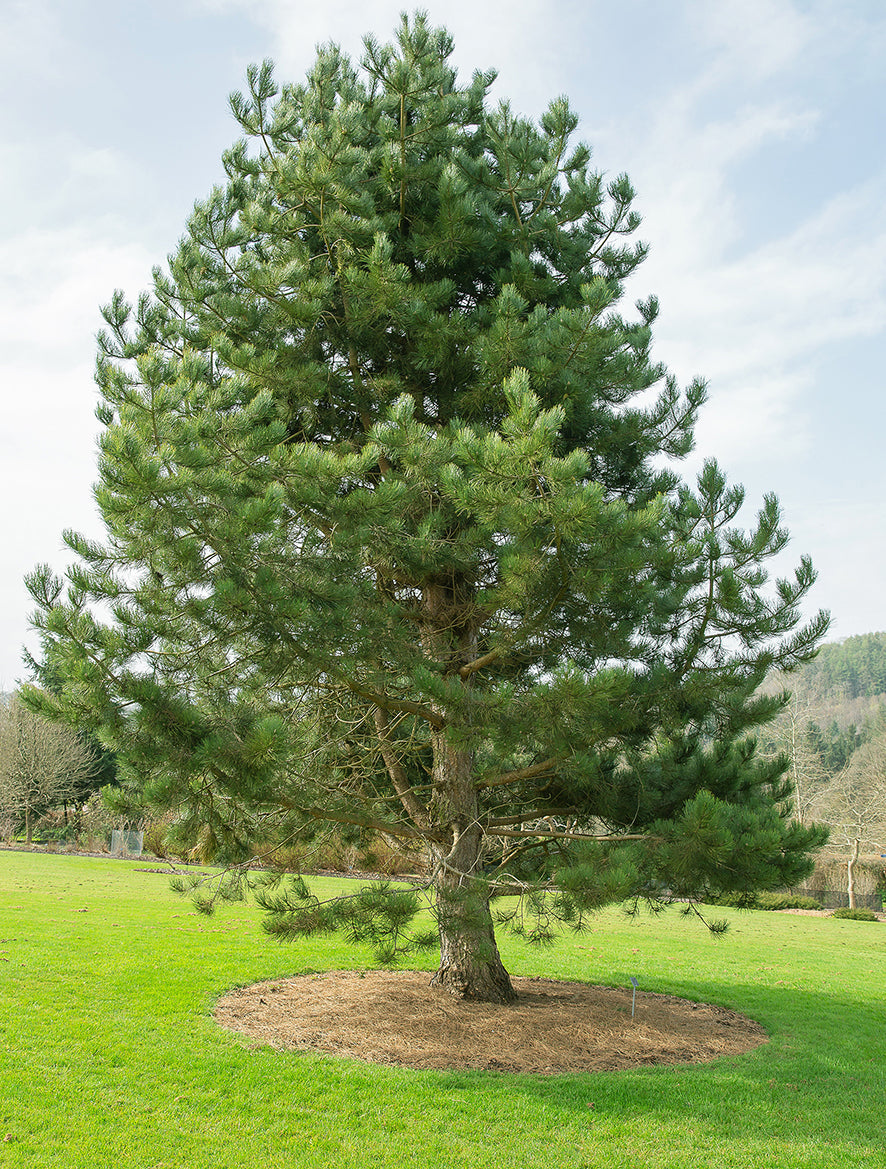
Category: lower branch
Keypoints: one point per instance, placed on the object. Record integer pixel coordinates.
(359, 820)
(557, 835)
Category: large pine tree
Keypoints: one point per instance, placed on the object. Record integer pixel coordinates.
(394, 538)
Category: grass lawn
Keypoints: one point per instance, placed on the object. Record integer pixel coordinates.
(109, 1054)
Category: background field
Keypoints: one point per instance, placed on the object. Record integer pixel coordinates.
(109, 1054)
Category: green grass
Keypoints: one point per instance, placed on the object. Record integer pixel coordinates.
(109, 1054)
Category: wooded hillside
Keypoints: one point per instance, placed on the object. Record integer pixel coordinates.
(841, 693)
(838, 703)
(854, 668)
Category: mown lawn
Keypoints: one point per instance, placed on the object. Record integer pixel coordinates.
(109, 1054)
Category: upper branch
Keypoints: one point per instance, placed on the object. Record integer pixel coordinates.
(399, 779)
(507, 777)
(384, 702)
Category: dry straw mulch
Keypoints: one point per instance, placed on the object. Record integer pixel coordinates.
(395, 1017)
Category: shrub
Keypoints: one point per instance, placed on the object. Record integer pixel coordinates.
(786, 901)
(391, 861)
(764, 900)
(855, 914)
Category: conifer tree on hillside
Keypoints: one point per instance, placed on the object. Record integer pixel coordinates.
(392, 536)
(846, 670)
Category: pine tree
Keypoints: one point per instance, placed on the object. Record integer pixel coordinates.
(394, 535)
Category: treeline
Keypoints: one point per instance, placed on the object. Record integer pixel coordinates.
(845, 670)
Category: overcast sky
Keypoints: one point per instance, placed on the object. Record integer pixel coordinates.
(753, 131)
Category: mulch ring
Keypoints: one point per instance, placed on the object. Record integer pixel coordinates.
(395, 1017)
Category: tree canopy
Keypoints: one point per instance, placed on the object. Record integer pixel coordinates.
(395, 537)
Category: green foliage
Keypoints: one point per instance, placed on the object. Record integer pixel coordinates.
(379, 914)
(155, 838)
(340, 848)
(855, 914)
(837, 706)
(394, 534)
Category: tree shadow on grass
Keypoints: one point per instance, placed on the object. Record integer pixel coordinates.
(821, 1080)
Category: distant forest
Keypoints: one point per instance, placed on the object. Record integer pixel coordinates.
(844, 670)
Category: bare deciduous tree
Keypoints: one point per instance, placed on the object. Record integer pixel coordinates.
(788, 733)
(853, 805)
(41, 763)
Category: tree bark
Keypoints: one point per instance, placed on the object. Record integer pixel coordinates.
(470, 965)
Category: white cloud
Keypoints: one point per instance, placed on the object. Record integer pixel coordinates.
(756, 325)
(51, 284)
(684, 171)
(756, 38)
(746, 302)
(60, 180)
(28, 24)
(838, 524)
(520, 40)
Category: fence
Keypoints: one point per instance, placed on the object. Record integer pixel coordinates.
(126, 842)
(828, 882)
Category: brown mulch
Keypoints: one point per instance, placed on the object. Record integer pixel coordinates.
(395, 1017)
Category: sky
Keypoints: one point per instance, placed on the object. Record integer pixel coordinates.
(752, 131)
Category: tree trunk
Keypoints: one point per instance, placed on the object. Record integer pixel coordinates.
(850, 874)
(470, 965)
(29, 829)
